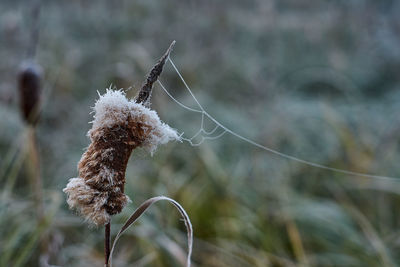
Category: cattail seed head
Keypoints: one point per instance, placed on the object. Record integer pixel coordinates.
(119, 126)
(29, 88)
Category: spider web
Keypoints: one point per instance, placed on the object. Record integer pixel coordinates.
(219, 130)
(202, 132)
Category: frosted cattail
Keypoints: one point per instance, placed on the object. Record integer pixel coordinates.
(119, 126)
(29, 87)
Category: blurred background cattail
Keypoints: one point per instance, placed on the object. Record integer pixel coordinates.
(29, 79)
(29, 89)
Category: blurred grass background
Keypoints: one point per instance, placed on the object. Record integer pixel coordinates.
(314, 79)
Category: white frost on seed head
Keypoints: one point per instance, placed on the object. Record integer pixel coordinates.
(88, 201)
(110, 109)
(113, 108)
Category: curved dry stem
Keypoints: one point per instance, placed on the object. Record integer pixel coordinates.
(142, 209)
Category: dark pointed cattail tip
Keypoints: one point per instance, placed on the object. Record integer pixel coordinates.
(144, 94)
(29, 88)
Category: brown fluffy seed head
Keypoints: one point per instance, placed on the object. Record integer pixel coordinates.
(29, 88)
(119, 126)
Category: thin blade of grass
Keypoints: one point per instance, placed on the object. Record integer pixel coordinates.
(42, 226)
(142, 209)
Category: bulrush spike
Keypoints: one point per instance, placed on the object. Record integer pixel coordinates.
(120, 125)
(29, 87)
(144, 94)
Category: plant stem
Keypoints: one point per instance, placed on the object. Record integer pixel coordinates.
(34, 172)
(107, 243)
(33, 165)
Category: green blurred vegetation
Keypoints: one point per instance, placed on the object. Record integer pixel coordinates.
(314, 79)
